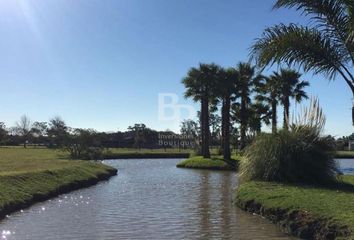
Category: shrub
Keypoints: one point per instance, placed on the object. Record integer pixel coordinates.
(300, 155)
(81, 145)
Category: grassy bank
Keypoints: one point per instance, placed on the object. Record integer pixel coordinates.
(304, 211)
(31, 175)
(344, 154)
(131, 153)
(213, 163)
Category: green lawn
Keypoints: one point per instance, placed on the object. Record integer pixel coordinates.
(335, 204)
(213, 163)
(28, 175)
(345, 154)
(18, 159)
(146, 150)
(122, 153)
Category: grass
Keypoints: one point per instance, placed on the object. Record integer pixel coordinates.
(146, 150)
(344, 154)
(122, 153)
(29, 175)
(335, 204)
(213, 163)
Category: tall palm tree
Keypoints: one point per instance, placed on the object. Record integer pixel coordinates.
(290, 86)
(245, 85)
(326, 46)
(269, 93)
(225, 90)
(199, 84)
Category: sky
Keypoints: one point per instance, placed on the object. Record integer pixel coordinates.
(102, 64)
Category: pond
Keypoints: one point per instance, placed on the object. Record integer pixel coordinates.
(148, 199)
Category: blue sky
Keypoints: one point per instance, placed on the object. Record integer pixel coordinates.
(102, 64)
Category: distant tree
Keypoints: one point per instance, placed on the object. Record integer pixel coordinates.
(24, 129)
(82, 144)
(291, 87)
(215, 124)
(269, 92)
(3, 132)
(234, 136)
(258, 114)
(39, 131)
(57, 131)
(140, 134)
(191, 129)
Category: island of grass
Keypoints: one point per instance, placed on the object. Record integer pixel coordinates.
(307, 212)
(213, 163)
(31, 175)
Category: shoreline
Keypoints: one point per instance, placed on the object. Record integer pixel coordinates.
(112, 156)
(297, 223)
(303, 211)
(49, 184)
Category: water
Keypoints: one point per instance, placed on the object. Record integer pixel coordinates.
(149, 199)
(346, 166)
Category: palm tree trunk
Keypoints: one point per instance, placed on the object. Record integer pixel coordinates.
(353, 114)
(243, 116)
(274, 117)
(206, 153)
(226, 129)
(202, 125)
(286, 113)
(222, 126)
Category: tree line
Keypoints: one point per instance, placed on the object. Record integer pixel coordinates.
(79, 142)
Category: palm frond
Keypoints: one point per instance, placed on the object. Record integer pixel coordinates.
(297, 45)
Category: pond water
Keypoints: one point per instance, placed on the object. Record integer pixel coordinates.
(346, 166)
(148, 199)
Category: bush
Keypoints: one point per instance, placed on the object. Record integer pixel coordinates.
(81, 145)
(300, 155)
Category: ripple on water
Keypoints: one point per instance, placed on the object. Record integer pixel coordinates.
(149, 199)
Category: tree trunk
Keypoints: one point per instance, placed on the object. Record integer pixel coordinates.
(222, 126)
(205, 127)
(202, 123)
(243, 116)
(286, 113)
(353, 115)
(207, 131)
(226, 129)
(274, 117)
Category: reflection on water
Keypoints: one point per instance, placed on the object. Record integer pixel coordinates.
(149, 199)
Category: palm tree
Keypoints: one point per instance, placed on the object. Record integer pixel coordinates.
(199, 84)
(326, 46)
(290, 86)
(225, 90)
(247, 80)
(269, 93)
(258, 114)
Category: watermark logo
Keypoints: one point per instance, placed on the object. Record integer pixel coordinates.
(176, 140)
(170, 110)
